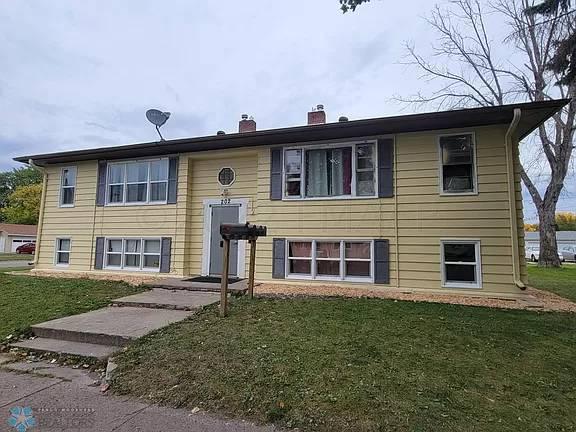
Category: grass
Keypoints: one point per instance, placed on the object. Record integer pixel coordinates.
(22, 270)
(364, 365)
(16, 257)
(561, 281)
(29, 300)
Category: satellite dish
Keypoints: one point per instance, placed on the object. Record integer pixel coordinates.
(157, 118)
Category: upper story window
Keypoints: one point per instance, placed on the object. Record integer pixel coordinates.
(457, 162)
(139, 182)
(330, 171)
(67, 186)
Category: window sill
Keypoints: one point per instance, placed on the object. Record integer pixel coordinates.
(442, 193)
(62, 265)
(330, 279)
(136, 204)
(343, 197)
(66, 206)
(131, 270)
(461, 285)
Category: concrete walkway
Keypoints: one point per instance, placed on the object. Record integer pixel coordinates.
(102, 332)
(16, 263)
(69, 399)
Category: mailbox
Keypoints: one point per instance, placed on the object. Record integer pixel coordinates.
(230, 232)
(245, 231)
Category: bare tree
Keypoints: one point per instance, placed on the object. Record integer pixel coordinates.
(471, 74)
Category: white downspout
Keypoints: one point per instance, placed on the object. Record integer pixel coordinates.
(512, 198)
(42, 205)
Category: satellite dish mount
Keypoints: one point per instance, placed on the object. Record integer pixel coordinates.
(157, 118)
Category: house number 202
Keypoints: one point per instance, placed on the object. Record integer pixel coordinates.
(225, 201)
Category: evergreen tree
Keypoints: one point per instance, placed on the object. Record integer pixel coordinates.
(563, 62)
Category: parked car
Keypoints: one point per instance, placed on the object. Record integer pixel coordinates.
(569, 253)
(533, 254)
(26, 248)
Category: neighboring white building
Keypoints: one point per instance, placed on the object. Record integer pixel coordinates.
(563, 238)
(14, 235)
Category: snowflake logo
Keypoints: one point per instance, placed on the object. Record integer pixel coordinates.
(21, 418)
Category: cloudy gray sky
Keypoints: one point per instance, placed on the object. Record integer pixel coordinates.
(78, 74)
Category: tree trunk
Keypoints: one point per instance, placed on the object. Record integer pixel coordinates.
(548, 247)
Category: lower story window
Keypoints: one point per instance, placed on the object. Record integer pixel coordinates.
(63, 251)
(330, 259)
(133, 254)
(461, 266)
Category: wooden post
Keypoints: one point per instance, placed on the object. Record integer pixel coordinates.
(252, 268)
(224, 284)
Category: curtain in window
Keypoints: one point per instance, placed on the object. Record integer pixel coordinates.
(317, 173)
(358, 250)
(300, 249)
(341, 166)
(328, 172)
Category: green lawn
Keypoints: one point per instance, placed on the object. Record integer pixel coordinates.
(16, 257)
(560, 281)
(364, 365)
(28, 300)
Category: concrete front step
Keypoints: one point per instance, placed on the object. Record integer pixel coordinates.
(115, 326)
(100, 352)
(237, 288)
(169, 299)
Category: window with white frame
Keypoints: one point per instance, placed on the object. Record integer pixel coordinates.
(461, 266)
(133, 254)
(63, 246)
(329, 259)
(139, 182)
(343, 170)
(67, 186)
(457, 159)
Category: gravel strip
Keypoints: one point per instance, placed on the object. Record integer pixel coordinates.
(533, 300)
(132, 280)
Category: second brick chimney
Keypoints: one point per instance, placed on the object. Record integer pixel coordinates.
(317, 116)
(246, 124)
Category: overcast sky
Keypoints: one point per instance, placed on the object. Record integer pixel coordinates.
(78, 74)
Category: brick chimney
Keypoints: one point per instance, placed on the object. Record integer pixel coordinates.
(317, 116)
(246, 124)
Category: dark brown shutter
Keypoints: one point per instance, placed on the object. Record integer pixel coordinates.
(101, 183)
(276, 173)
(172, 180)
(99, 256)
(165, 253)
(386, 167)
(278, 258)
(381, 261)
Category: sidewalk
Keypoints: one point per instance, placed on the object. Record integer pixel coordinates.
(15, 263)
(68, 400)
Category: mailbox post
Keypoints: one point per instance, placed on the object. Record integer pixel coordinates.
(238, 232)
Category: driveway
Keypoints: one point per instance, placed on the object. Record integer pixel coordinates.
(70, 400)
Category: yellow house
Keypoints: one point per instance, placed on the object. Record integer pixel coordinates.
(427, 201)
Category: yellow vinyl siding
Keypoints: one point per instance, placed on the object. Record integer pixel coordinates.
(315, 219)
(86, 221)
(414, 221)
(203, 185)
(426, 217)
(75, 222)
